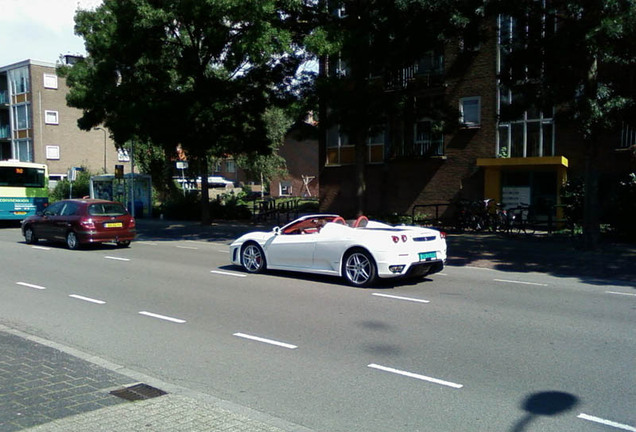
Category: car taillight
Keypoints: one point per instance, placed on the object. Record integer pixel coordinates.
(88, 224)
(132, 223)
(395, 239)
(404, 238)
(442, 235)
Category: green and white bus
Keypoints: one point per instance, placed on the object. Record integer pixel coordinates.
(23, 189)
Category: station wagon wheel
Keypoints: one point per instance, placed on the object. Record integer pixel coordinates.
(29, 235)
(71, 240)
(123, 244)
(253, 258)
(359, 268)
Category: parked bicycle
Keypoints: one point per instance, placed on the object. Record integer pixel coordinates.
(520, 220)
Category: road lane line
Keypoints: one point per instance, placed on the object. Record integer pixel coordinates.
(162, 317)
(116, 258)
(40, 248)
(401, 298)
(620, 293)
(28, 285)
(416, 376)
(606, 422)
(520, 282)
(188, 247)
(227, 273)
(267, 341)
(88, 299)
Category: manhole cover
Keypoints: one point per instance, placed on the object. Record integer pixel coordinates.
(138, 392)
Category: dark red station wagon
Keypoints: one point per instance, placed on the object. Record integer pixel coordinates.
(81, 221)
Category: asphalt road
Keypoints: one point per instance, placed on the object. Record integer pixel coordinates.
(469, 349)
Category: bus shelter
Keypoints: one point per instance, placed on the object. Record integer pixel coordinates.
(133, 190)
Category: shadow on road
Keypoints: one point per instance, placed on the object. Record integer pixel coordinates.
(549, 403)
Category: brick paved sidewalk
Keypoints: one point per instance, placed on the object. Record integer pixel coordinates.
(45, 387)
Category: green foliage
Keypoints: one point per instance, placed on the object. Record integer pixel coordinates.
(81, 187)
(578, 55)
(378, 38)
(264, 167)
(197, 73)
(573, 198)
(228, 206)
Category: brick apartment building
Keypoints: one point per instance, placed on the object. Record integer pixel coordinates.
(36, 125)
(412, 164)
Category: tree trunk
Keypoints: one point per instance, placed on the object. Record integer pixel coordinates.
(360, 164)
(591, 216)
(205, 192)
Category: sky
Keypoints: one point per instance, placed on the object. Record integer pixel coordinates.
(39, 29)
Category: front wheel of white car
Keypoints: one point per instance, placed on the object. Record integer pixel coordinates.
(359, 268)
(252, 258)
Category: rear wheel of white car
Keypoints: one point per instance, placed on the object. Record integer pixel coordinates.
(359, 268)
(252, 258)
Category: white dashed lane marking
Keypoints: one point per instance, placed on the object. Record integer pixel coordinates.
(267, 341)
(416, 376)
(162, 317)
(28, 285)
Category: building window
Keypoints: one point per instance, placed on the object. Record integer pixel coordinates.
(21, 117)
(339, 151)
(19, 80)
(427, 141)
(470, 111)
(523, 131)
(51, 117)
(23, 150)
(431, 63)
(230, 166)
(50, 81)
(285, 188)
(53, 152)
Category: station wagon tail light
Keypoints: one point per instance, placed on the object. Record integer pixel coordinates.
(442, 235)
(88, 224)
(132, 223)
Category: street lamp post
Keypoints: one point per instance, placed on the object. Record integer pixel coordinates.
(105, 135)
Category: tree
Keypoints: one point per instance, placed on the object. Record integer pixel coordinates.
(362, 46)
(265, 167)
(577, 56)
(199, 73)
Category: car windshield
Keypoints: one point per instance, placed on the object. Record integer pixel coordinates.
(106, 209)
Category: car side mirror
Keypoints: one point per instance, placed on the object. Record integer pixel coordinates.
(276, 230)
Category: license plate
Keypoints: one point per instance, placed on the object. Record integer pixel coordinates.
(424, 256)
(113, 225)
(19, 213)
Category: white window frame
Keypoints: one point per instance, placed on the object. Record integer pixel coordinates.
(50, 81)
(230, 166)
(53, 152)
(51, 117)
(472, 122)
